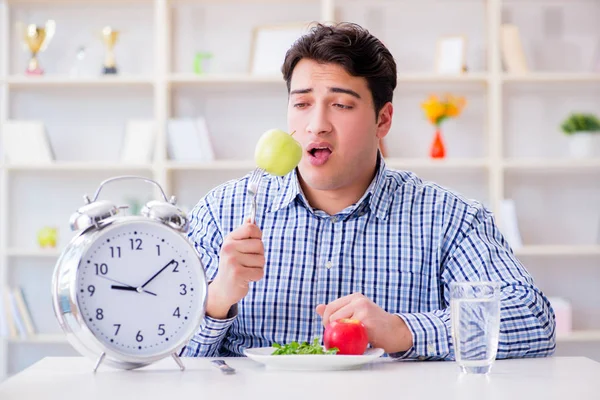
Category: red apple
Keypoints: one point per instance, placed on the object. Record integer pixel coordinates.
(348, 335)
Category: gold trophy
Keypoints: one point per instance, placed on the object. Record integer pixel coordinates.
(109, 37)
(35, 39)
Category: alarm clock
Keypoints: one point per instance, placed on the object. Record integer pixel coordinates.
(129, 290)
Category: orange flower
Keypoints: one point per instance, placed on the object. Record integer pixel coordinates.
(437, 110)
(433, 108)
(454, 106)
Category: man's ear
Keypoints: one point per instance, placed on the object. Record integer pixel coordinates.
(384, 120)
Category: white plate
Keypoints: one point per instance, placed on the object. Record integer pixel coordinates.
(310, 362)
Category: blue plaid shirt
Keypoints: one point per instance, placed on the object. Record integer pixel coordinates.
(400, 245)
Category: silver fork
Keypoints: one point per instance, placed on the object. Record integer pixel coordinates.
(253, 183)
(223, 366)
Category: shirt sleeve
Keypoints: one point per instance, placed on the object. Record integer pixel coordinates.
(527, 321)
(205, 234)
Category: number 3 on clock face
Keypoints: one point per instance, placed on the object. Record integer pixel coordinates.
(139, 289)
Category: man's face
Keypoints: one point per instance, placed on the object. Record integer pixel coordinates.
(333, 116)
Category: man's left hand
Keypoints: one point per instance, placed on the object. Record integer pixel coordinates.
(385, 330)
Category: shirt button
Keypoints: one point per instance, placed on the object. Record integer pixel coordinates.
(431, 349)
(334, 219)
(328, 265)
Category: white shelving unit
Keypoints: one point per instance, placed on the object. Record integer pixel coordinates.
(506, 145)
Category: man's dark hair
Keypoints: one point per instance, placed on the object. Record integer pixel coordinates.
(352, 47)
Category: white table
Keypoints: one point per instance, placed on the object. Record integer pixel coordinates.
(72, 378)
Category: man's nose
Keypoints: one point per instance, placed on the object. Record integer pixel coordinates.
(319, 121)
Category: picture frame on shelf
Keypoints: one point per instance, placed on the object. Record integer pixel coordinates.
(26, 142)
(270, 44)
(451, 54)
(138, 143)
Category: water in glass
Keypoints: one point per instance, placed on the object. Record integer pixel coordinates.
(475, 318)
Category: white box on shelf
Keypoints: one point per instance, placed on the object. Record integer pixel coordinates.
(138, 142)
(510, 224)
(189, 140)
(205, 142)
(26, 142)
(564, 315)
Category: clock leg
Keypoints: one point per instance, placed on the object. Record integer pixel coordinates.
(178, 361)
(99, 361)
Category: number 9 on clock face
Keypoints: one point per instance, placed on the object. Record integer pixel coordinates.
(140, 289)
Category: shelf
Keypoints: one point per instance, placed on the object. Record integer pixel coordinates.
(79, 166)
(428, 163)
(181, 79)
(558, 250)
(41, 253)
(547, 165)
(440, 78)
(63, 80)
(548, 77)
(221, 165)
(57, 338)
(580, 336)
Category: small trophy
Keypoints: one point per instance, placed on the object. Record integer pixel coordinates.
(36, 39)
(109, 36)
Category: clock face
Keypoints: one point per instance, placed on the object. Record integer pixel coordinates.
(139, 288)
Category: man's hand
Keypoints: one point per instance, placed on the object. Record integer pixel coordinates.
(385, 330)
(242, 260)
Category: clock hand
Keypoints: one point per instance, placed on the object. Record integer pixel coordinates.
(124, 284)
(129, 288)
(140, 288)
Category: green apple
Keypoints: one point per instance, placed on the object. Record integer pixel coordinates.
(47, 237)
(277, 152)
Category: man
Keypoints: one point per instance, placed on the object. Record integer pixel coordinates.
(344, 236)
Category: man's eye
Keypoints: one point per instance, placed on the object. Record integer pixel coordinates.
(342, 106)
(300, 105)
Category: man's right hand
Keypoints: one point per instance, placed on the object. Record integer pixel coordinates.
(242, 260)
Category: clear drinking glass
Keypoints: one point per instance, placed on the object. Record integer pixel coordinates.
(475, 318)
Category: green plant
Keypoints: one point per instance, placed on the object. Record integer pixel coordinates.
(580, 122)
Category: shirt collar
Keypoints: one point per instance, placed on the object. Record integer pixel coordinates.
(377, 192)
(289, 189)
(378, 199)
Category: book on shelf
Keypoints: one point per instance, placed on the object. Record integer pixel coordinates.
(513, 55)
(15, 317)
